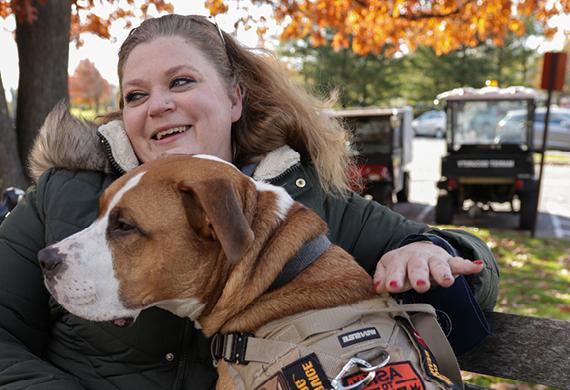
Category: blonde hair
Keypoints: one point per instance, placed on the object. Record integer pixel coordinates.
(276, 111)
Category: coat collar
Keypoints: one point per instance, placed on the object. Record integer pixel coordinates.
(69, 143)
(271, 165)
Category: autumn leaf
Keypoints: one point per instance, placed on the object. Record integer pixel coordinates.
(374, 26)
(26, 12)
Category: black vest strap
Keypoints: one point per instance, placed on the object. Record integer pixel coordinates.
(306, 256)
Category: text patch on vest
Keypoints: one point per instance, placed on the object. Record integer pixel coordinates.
(306, 374)
(401, 375)
(358, 336)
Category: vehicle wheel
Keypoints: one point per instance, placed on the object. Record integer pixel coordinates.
(403, 195)
(444, 209)
(382, 193)
(439, 133)
(526, 213)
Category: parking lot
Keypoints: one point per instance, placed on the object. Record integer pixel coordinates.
(554, 210)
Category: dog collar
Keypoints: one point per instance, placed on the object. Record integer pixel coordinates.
(306, 256)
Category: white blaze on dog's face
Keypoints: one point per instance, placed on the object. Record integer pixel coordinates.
(168, 234)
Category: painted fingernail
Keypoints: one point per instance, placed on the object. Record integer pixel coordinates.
(394, 283)
(376, 285)
(420, 282)
(479, 262)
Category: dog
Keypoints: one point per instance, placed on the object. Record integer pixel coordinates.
(211, 244)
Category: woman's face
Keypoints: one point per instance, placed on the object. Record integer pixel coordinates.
(175, 101)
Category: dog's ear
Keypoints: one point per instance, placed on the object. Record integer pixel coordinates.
(215, 212)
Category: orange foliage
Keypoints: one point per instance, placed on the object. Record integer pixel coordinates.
(87, 86)
(375, 26)
(25, 12)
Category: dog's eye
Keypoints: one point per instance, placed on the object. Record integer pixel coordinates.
(124, 226)
(120, 225)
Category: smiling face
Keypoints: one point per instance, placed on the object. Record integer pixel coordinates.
(175, 102)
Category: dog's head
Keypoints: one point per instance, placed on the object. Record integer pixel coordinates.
(166, 232)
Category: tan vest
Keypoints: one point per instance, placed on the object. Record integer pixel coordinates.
(309, 350)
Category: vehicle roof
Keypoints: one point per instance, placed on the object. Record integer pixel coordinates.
(368, 111)
(489, 93)
(541, 110)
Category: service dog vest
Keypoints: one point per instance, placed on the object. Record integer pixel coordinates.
(309, 350)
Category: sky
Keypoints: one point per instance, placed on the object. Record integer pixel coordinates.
(104, 52)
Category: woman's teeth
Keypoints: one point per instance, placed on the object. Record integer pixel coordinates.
(165, 133)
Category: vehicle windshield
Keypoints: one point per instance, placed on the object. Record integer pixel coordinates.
(372, 134)
(485, 122)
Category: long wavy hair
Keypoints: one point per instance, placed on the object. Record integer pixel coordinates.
(276, 111)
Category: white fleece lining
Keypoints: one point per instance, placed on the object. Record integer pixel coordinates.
(272, 165)
(276, 162)
(121, 148)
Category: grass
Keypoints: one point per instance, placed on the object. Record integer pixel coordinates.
(86, 114)
(554, 157)
(535, 275)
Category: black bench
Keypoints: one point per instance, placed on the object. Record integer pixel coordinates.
(528, 349)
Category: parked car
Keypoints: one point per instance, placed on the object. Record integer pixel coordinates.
(558, 128)
(431, 123)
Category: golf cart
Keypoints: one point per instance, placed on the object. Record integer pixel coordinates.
(383, 145)
(482, 164)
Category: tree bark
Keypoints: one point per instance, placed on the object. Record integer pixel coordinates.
(43, 50)
(11, 173)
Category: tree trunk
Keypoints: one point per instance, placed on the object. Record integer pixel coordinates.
(43, 50)
(11, 173)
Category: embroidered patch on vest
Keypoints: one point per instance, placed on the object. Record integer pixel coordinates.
(358, 336)
(427, 359)
(276, 382)
(306, 374)
(401, 376)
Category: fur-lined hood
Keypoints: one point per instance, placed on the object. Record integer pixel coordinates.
(70, 143)
(66, 142)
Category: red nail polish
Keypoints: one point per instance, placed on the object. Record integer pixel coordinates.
(393, 283)
(479, 262)
(421, 282)
(376, 285)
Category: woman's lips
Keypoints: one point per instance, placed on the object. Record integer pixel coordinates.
(169, 138)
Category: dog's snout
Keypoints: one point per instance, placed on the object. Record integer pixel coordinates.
(50, 261)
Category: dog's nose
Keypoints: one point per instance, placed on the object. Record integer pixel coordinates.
(50, 261)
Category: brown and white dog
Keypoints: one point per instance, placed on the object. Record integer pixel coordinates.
(195, 236)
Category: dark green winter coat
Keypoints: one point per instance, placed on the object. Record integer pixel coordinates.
(44, 347)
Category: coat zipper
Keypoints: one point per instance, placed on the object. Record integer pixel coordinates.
(109, 154)
(181, 372)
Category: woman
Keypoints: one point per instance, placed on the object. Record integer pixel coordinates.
(186, 87)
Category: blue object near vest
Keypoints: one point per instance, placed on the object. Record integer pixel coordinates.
(459, 315)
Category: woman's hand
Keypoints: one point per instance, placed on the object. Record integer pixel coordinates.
(418, 265)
